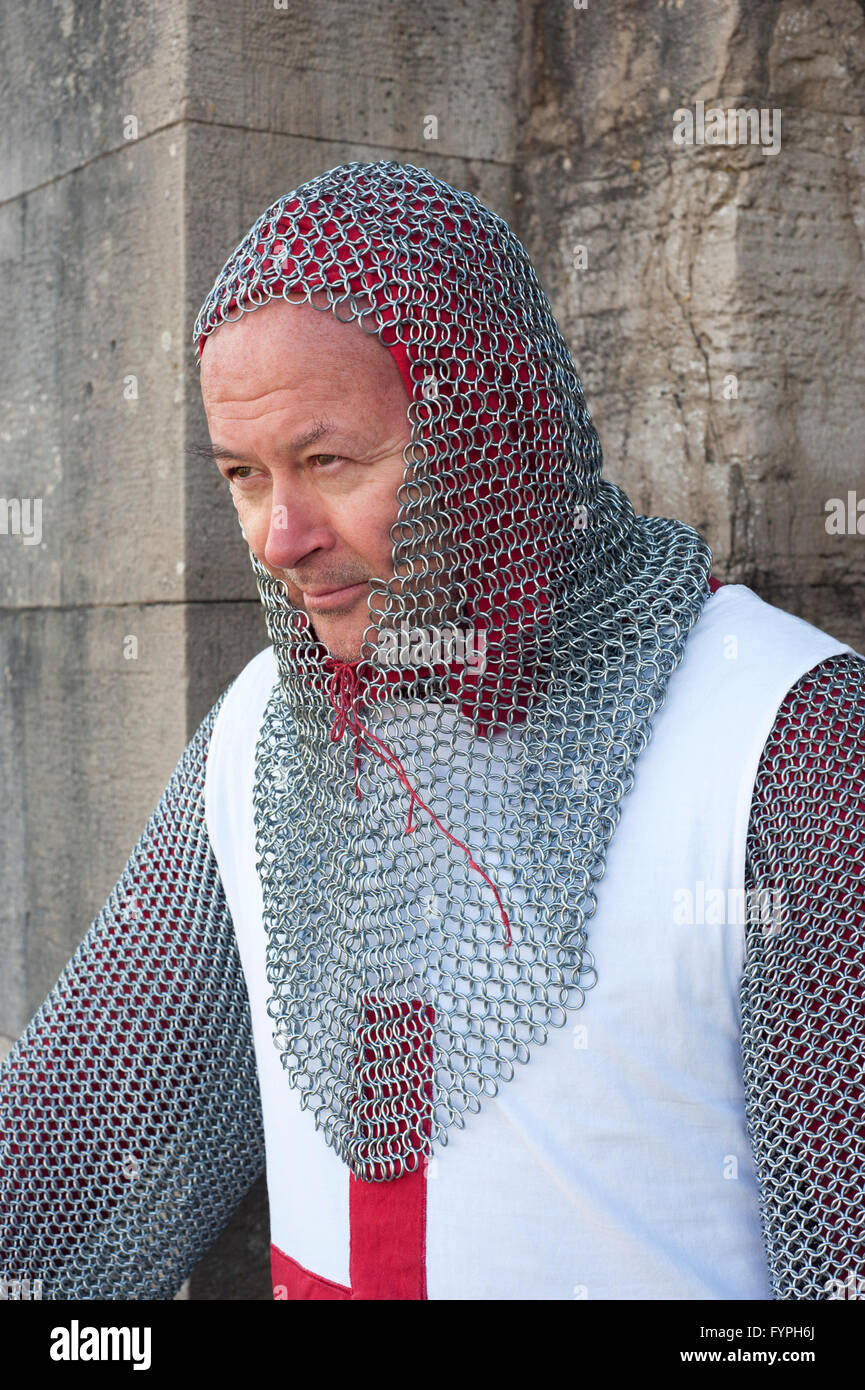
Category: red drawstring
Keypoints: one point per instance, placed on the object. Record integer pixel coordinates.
(343, 691)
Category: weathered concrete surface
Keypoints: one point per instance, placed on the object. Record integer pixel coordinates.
(711, 261)
(364, 74)
(92, 395)
(90, 739)
(73, 74)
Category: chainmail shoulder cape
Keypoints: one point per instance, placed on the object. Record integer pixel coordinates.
(408, 977)
(130, 1117)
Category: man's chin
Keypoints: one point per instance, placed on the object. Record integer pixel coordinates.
(341, 643)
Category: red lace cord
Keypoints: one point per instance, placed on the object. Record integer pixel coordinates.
(343, 692)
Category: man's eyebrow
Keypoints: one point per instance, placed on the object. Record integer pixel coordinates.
(318, 430)
(214, 452)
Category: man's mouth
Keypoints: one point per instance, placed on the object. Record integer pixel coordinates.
(326, 599)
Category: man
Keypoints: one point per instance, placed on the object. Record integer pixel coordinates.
(502, 721)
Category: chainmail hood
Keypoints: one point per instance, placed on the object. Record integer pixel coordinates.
(398, 1003)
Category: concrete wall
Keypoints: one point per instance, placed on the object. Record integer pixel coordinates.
(706, 263)
(137, 144)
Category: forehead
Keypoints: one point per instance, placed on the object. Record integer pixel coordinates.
(283, 345)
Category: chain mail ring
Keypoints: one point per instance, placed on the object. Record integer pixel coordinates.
(398, 1004)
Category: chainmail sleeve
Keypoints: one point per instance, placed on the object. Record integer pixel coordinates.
(803, 1011)
(130, 1120)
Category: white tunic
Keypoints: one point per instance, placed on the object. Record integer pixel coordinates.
(616, 1164)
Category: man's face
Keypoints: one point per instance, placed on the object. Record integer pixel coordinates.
(308, 419)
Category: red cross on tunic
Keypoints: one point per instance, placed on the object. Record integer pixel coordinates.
(387, 1219)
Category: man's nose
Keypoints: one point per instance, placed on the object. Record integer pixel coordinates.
(298, 525)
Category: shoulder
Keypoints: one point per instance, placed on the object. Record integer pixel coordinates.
(822, 678)
(818, 738)
(741, 658)
(258, 676)
(747, 650)
(231, 754)
(243, 703)
(770, 630)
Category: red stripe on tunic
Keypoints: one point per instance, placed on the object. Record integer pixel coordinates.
(291, 1281)
(387, 1219)
(388, 1237)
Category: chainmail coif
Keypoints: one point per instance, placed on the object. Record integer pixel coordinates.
(398, 1000)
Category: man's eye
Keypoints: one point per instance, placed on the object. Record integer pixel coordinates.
(243, 470)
